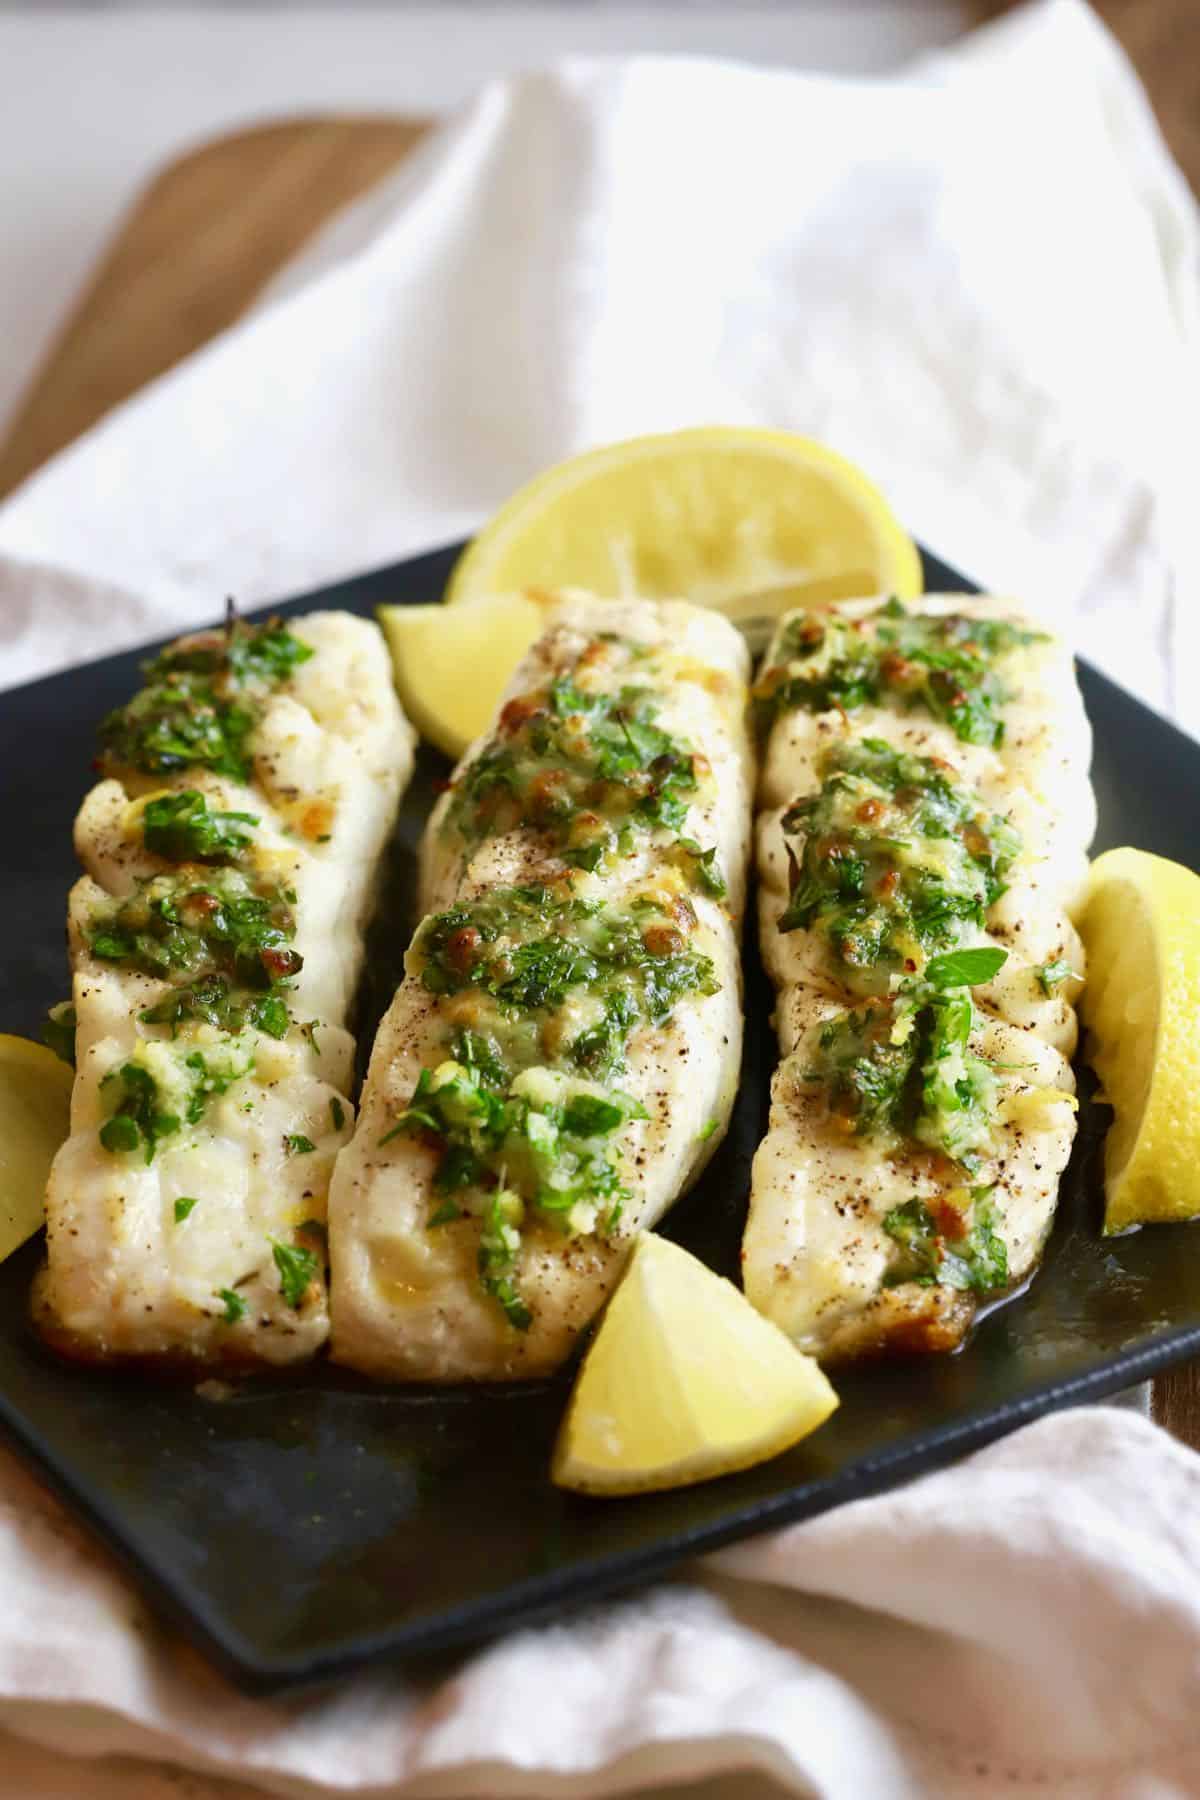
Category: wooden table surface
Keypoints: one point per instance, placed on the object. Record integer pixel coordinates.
(213, 227)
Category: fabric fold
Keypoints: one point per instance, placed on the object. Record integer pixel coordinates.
(978, 279)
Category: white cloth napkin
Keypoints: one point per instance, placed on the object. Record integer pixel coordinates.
(980, 280)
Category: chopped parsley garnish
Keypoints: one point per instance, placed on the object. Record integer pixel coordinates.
(531, 949)
(499, 1249)
(174, 926)
(184, 1205)
(902, 1065)
(225, 940)
(895, 856)
(201, 701)
(481, 1054)
(1051, 975)
(703, 867)
(941, 664)
(235, 1306)
(949, 1245)
(58, 1031)
(591, 770)
(139, 1116)
(297, 1269)
(337, 1113)
(212, 1073)
(966, 968)
(536, 1141)
(218, 1001)
(138, 1119)
(181, 828)
(298, 1145)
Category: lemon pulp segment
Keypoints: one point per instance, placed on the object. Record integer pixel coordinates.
(1141, 928)
(451, 665)
(683, 1381)
(748, 520)
(35, 1106)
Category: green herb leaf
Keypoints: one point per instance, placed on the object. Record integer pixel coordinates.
(138, 1120)
(499, 1247)
(705, 871)
(183, 1207)
(214, 1074)
(588, 769)
(120, 1133)
(337, 1113)
(892, 849)
(298, 1144)
(235, 1306)
(1051, 975)
(297, 1269)
(588, 1115)
(181, 927)
(58, 1031)
(974, 1257)
(220, 1002)
(181, 828)
(202, 700)
(941, 663)
(965, 968)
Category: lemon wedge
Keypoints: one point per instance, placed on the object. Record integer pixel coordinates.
(451, 664)
(35, 1108)
(1141, 928)
(753, 522)
(683, 1381)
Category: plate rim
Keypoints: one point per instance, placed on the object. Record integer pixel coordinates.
(530, 1600)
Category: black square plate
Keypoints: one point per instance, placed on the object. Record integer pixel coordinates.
(299, 1530)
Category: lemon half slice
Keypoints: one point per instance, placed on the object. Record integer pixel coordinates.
(35, 1110)
(451, 665)
(751, 521)
(1141, 929)
(683, 1381)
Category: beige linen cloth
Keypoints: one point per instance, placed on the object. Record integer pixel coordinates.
(980, 280)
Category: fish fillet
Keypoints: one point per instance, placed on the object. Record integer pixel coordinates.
(556, 880)
(870, 1226)
(226, 896)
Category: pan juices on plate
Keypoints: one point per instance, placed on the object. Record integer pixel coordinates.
(561, 1058)
(925, 816)
(215, 941)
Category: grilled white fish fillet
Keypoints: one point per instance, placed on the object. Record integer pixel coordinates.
(699, 675)
(209, 1250)
(453, 1299)
(837, 1248)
